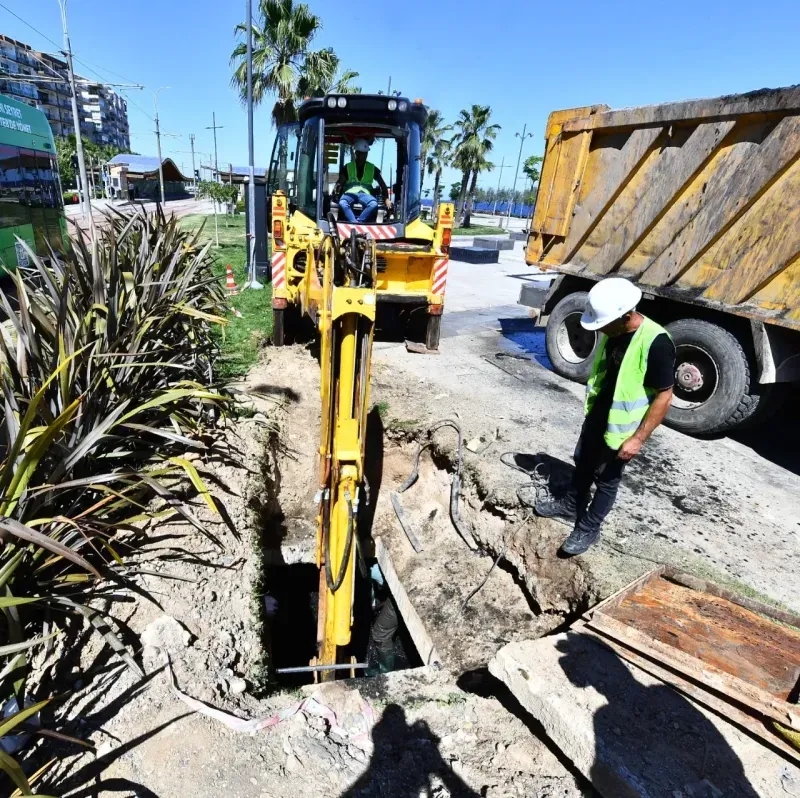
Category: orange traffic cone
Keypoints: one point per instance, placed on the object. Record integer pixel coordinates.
(230, 283)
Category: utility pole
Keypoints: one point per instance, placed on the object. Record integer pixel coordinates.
(522, 136)
(214, 126)
(251, 183)
(194, 171)
(76, 121)
(499, 178)
(383, 141)
(158, 142)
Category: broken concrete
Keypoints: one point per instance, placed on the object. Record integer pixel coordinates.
(629, 733)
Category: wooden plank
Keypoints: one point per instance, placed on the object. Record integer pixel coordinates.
(737, 689)
(725, 709)
(729, 192)
(675, 166)
(613, 171)
(733, 639)
(416, 628)
(615, 598)
(755, 102)
(713, 589)
(763, 242)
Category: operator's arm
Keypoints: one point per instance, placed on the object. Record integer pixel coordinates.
(660, 377)
(655, 415)
(384, 190)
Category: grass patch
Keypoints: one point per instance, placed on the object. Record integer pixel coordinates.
(244, 336)
(383, 408)
(478, 230)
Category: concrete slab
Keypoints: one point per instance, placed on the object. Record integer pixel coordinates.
(519, 235)
(474, 254)
(631, 735)
(494, 242)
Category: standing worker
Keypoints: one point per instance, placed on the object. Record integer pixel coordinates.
(627, 397)
(358, 178)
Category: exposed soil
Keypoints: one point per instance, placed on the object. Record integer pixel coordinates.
(447, 732)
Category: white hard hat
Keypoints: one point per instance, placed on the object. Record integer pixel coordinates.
(609, 300)
(361, 145)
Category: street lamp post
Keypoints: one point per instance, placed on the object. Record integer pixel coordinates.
(522, 136)
(76, 121)
(251, 185)
(158, 141)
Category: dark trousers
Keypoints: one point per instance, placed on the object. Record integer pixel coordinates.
(595, 463)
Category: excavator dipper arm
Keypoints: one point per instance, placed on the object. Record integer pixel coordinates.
(346, 322)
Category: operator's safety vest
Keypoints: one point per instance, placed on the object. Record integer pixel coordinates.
(631, 399)
(356, 186)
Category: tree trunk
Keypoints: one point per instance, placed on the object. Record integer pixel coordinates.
(422, 174)
(470, 199)
(436, 189)
(462, 197)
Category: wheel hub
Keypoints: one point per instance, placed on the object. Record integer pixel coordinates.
(689, 377)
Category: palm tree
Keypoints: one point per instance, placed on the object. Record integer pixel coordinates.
(320, 75)
(479, 165)
(439, 158)
(432, 133)
(474, 140)
(281, 41)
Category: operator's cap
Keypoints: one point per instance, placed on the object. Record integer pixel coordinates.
(361, 145)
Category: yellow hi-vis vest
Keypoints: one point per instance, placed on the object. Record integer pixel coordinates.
(631, 399)
(356, 186)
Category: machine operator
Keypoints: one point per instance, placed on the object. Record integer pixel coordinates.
(355, 185)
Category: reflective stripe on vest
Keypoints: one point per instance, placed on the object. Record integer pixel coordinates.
(362, 186)
(631, 399)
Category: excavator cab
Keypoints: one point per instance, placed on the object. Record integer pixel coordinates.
(309, 165)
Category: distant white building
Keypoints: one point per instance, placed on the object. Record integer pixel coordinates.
(103, 113)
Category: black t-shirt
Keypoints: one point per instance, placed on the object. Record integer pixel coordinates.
(660, 373)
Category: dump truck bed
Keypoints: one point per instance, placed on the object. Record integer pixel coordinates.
(698, 201)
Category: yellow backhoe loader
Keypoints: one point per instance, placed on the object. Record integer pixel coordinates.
(335, 272)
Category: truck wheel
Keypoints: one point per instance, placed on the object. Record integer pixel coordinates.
(433, 331)
(714, 389)
(569, 346)
(278, 326)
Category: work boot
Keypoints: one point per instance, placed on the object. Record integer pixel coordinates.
(563, 507)
(581, 537)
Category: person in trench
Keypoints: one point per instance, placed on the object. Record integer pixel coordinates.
(406, 762)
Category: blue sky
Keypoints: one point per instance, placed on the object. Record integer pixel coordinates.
(524, 59)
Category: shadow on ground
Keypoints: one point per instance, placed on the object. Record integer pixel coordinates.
(406, 762)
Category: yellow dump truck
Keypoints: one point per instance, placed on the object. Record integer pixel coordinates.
(697, 202)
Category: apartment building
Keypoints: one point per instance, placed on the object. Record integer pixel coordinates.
(104, 114)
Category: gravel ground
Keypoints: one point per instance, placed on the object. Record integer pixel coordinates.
(720, 508)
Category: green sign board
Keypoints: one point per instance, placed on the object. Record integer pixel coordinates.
(24, 126)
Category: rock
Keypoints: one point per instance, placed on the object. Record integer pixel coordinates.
(165, 634)
(237, 685)
(582, 692)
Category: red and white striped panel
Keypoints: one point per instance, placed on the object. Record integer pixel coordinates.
(278, 269)
(439, 275)
(380, 232)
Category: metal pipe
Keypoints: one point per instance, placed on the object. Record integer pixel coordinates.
(313, 668)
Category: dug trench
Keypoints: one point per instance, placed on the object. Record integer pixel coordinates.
(458, 602)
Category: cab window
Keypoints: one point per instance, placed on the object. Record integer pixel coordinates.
(307, 169)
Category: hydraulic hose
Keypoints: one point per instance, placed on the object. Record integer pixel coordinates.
(334, 585)
(455, 486)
